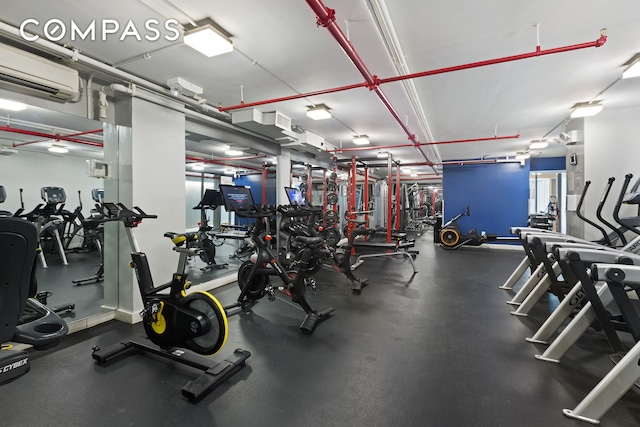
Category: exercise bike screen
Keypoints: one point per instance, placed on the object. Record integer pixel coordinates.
(295, 196)
(212, 198)
(236, 198)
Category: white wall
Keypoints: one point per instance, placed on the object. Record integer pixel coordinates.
(32, 170)
(611, 148)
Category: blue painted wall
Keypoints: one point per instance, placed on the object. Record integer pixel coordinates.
(548, 164)
(497, 193)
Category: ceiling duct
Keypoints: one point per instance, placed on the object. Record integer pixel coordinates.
(309, 141)
(6, 151)
(270, 124)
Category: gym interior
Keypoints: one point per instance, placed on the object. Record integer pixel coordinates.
(319, 213)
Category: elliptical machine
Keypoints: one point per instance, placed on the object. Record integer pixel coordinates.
(451, 237)
(195, 321)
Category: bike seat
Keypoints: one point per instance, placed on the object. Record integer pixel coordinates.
(178, 239)
(309, 241)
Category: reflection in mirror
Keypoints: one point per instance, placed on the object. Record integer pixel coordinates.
(43, 156)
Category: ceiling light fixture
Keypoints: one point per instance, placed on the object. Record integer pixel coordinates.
(233, 153)
(586, 109)
(632, 70)
(229, 171)
(361, 140)
(197, 167)
(59, 149)
(523, 156)
(383, 154)
(6, 104)
(208, 40)
(414, 174)
(318, 112)
(405, 170)
(537, 145)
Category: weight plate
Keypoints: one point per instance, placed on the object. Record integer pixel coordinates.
(331, 236)
(330, 217)
(304, 177)
(332, 186)
(333, 176)
(304, 187)
(332, 198)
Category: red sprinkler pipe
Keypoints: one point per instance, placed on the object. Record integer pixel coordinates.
(326, 18)
(538, 52)
(57, 137)
(292, 97)
(455, 141)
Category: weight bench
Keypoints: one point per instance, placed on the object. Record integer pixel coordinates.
(398, 247)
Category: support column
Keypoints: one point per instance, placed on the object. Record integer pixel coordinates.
(147, 151)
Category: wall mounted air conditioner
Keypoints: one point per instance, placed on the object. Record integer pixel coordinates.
(22, 71)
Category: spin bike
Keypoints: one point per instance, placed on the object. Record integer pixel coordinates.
(195, 321)
(211, 200)
(451, 237)
(254, 274)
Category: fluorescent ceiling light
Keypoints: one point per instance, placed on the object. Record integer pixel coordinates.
(318, 112)
(414, 174)
(383, 155)
(197, 167)
(586, 109)
(634, 69)
(537, 145)
(361, 140)
(233, 153)
(405, 170)
(523, 156)
(58, 149)
(6, 104)
(208, 41)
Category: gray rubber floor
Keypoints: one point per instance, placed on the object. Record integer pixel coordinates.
(438, 348)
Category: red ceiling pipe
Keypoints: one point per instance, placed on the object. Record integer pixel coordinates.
(57, 137)
(455, 141)
(326, 18)
(538, 52)
(292, 97)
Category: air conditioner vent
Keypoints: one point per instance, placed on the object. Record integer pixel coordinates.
(22, 71)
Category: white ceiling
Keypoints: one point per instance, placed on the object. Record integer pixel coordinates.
(280, 51)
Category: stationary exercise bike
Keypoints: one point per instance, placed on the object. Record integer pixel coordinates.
(211, 200)
(195, 321)
(254, 274)
(451, 237)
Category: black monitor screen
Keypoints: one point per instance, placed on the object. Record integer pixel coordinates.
(236, 198)
(295, 196)
(212, 198)
(53, 195)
